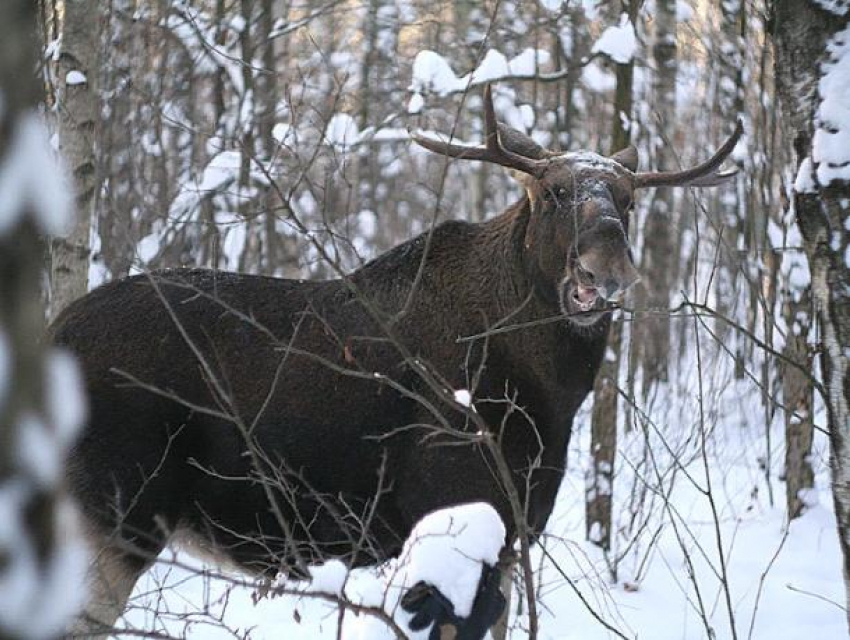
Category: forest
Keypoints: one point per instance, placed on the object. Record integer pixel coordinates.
(664, 453)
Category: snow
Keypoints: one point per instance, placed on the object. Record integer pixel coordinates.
(598, 79)
(283, 133)
(805, 181)
(462, 396)
(794, 597)
(38, 597)
(618, 43)
(432, 73)
(684, 11)
(66, 402)
(342, 131)
(838, 7)
(416, 103)
(553, 6)
(446, 549)
(75, 77)
(831, 142)
(328, 578)
(33, 180)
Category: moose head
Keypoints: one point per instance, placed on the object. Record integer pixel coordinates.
(576, 242)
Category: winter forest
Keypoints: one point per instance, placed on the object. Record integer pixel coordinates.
(582, 374)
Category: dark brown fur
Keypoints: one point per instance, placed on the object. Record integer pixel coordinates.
(180, 365)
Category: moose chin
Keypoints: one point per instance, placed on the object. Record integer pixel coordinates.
(280, 423)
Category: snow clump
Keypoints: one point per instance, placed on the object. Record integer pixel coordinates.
(618, 43)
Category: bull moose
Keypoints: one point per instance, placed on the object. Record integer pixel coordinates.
(278, 422)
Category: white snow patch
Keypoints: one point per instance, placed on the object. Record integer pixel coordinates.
(416, 103)
(447, 548)
(75, 77)
(33, 180)
(831, 142)
(283, 133)
(342, 131)
(553, 6)
(66, 400)
(37, 452)
(618, 43)
(809, 497)
(432, 73)
(328, 578)
(684, 11)
(38, 599)
(464, 397)
(805, 180)
(597, 78)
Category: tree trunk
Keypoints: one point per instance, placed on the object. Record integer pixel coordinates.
(727, 206)
(36, 554)
(77, 107)
(603, 440)
(806, 38)
(654, 328)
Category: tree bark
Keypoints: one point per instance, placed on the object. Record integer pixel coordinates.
(37, 538)
(77, 108)
(603, 439)
(654, 328)
(802, 33)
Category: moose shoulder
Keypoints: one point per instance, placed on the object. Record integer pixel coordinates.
(280, 422)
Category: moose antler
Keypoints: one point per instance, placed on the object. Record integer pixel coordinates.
(706, 174)
(493, 151)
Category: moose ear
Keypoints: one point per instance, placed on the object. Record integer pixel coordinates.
(526, 182)
(627, 157)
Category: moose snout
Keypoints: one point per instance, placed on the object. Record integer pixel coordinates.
(606, 279)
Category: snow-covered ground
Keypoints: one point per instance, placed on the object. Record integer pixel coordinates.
(784, 583)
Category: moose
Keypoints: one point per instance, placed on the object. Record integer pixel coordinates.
(276, 423)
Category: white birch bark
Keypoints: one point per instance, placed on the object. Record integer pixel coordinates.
(76, 79)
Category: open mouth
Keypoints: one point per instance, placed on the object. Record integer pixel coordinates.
(582, 304)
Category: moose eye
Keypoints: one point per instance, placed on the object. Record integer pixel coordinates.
(556, 193)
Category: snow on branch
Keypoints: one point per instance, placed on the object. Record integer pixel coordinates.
(432, 73)
(618, 43)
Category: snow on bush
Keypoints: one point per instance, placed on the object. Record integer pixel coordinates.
(445, 549)
(618, 43)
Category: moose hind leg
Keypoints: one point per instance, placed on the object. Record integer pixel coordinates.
(111, 578)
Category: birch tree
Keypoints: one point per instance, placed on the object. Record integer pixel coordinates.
(812, 41)
(76, 71)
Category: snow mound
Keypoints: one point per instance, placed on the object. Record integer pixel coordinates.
(447, 548)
